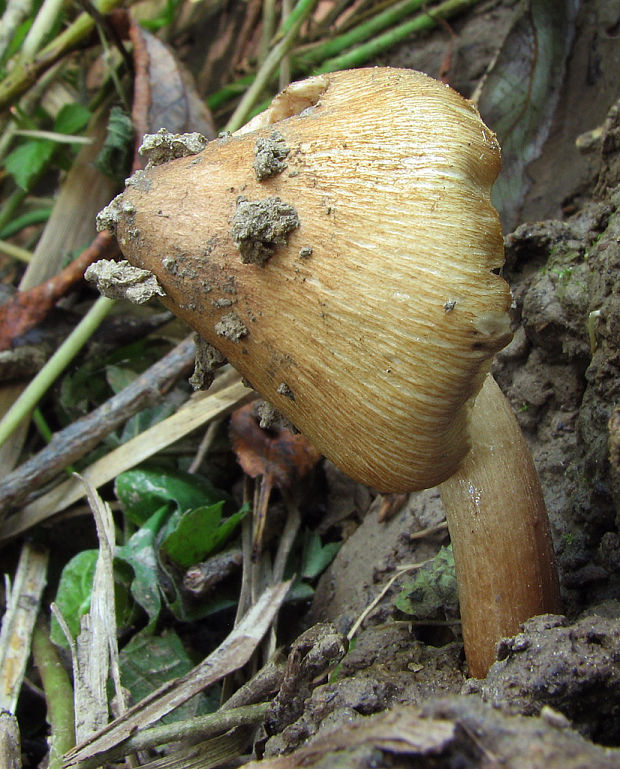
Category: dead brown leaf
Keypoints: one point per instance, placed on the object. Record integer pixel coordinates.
(278, 456)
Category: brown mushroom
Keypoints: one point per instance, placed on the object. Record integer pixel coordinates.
(341, 251)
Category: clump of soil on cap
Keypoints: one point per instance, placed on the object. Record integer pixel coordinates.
(121, 280)
(270, 153)
(164, 146)
(208, 359)
(260, 226)
(231, 327)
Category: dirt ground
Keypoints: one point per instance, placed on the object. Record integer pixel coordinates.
(562, 376)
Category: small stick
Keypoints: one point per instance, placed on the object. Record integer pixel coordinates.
(76, 440)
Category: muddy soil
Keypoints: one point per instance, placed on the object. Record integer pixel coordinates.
(562, 375)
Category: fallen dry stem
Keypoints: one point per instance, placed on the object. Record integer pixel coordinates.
(191, 416)
(229, 656)
(80, 437)
(194, 728)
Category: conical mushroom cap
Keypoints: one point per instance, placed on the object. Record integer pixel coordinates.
(352, 283)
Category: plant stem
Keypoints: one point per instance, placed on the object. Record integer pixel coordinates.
(58, 696)
(38, 216)
(15, 252)
(268, 26)
(378, 45)
(269, 66)
(363, 31)
(25, 74)
(54, 367)
(43, 22)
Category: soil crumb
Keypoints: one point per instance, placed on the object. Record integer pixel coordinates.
(269, 418)
(208, 359)
(270, 154)
(108, 217)
(139, 180)
(285, 390)
(163, 146)
(260, 226)
(121, 280)
(232, 327)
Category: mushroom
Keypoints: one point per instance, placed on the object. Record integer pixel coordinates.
(341, 251)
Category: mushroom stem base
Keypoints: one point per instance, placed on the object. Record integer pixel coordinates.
(500, 532)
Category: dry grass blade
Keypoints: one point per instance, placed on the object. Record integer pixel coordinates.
(22, 607)
(199, 410)
(229, 656)
(97, 650)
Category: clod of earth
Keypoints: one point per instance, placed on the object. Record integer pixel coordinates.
(270, 154)
(260, 226)
(386, 334)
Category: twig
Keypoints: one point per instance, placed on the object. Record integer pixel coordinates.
(268, 27)
(193, 728)
(284, 78)
(54, 367)
(189, 417)
(76, 440)
(53, 136)
(205, 445)
(10, 747)
(29, 307)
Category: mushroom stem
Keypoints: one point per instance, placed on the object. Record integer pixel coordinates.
(500, 533)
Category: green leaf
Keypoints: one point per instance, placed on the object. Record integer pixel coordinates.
(115, 156)
(18, 38)
(147, 662)
(71, 119)
(317, 557)
(29, 160)
(81, 390)
(74, 595)
(163, 18)
(143, 490)
(433, 590)
(139, 553)
(119, 377)
(200, 532)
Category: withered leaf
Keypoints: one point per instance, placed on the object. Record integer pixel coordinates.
(277, 454)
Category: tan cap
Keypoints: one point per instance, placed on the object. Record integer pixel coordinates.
(342, 260)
